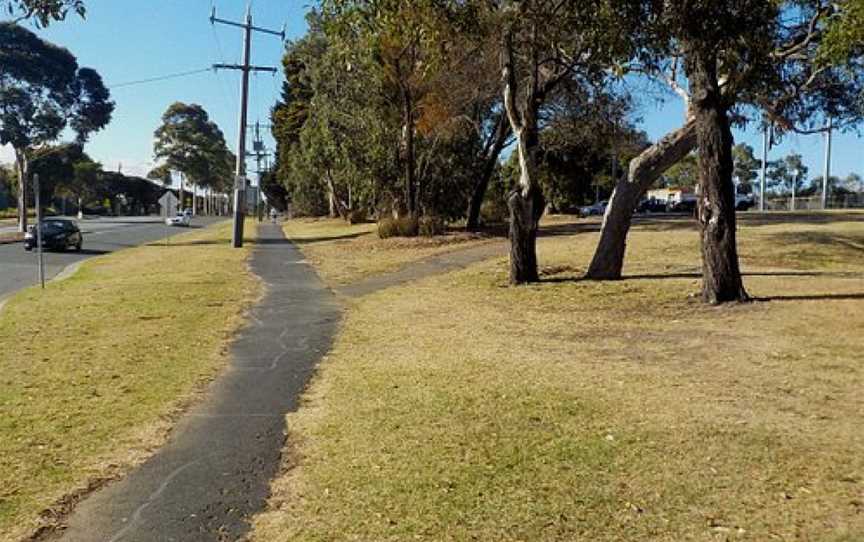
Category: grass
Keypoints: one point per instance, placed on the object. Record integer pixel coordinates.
(345, 253)
(12, 237)
(94, 368)
(458, 408)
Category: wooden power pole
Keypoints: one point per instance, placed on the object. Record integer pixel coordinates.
(245, 68)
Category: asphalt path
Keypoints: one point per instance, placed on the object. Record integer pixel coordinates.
(101, 236)
(214, 472)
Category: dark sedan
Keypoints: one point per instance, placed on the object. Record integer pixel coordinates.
(57, 234)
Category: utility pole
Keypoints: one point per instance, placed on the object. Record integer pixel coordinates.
(764, 169)
(245, 68)
(827, 172)
(259, 152)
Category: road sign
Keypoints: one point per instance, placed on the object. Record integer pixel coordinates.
(251, 199)
(169, 202)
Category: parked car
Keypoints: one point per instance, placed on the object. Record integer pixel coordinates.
(597, 209)
(684, 206)
(183, 218)
(744, 202)
(651, 205)
(57, 234)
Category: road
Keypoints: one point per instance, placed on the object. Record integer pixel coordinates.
(101, 236)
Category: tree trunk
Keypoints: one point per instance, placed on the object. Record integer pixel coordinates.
(721, 275)
(526, 205)
(645, 169)
(409, 158)
(23, 172)
(490, 161)
(525, 212)
(337, 206)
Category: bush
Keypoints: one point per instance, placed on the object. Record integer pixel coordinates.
(398, 227)
(431, 226)
(357, 216)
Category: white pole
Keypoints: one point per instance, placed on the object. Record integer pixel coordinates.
(40, 263)
(794, 186)
(764, 168)
(827, 173)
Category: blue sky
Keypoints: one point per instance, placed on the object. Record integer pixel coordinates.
(129, 41)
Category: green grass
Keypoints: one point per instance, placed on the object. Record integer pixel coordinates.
(94, 368)
(459, 408)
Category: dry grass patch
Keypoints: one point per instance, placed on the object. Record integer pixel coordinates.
(459, 408)
(11, 237)
(93, 368)
(345, 253)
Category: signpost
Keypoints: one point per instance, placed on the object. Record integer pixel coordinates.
(168, 202)
(40, 263)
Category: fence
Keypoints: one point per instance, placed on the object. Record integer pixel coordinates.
(814, 203)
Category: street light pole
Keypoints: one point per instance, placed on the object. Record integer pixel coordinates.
(827, 172)
(764, 169)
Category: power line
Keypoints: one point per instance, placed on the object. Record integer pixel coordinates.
(160, 78)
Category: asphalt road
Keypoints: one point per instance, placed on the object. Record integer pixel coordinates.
(101, 236)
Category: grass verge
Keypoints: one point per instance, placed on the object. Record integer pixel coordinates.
(345, 253)
(94, 368)
(458, 408)
(12, 237)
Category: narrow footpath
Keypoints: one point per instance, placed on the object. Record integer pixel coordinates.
(215, 470)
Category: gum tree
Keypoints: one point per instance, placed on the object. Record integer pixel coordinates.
(43, 91)
(188, 141)
(42, 11)
(545, 43)
(731, 61)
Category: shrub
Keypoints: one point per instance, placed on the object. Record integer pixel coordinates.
(431, 226)
(357, 216)
(398, 227)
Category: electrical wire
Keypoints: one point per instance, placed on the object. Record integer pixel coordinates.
(159, 78)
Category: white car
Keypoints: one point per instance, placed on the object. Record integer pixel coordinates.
(182, 219)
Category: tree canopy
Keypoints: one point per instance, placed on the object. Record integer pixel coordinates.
(43, 91)
(42, 11)
(189, 142)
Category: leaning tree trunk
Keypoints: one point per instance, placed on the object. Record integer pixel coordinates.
(721, 275)
(490, 161)
(608, 260)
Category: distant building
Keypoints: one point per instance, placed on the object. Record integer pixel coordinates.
(672, 195)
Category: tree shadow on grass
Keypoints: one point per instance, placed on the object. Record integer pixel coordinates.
(811, 297)
(816, 217)
(312, 240)
(697, 275)
(850, 242)
(197, 242)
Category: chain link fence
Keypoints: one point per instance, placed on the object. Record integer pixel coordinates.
(814, 203)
